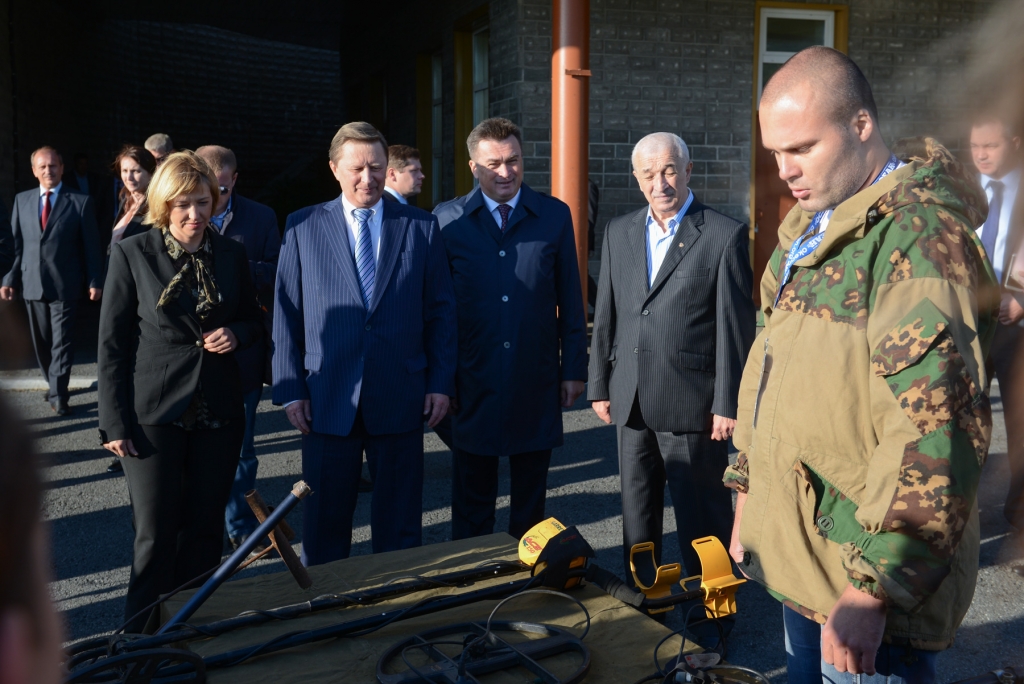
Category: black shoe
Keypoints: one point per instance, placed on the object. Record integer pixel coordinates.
(60, 406)
(115, 466)
(365, 485)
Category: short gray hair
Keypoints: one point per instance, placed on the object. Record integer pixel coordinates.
(159, 142)
(654, 142)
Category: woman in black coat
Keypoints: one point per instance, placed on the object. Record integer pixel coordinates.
(178, 302)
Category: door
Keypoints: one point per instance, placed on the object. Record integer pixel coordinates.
(782, 30)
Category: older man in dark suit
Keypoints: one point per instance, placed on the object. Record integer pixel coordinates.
(255, 226)
(364, 335)
(513, 260)
(56, 255)
(672, 326)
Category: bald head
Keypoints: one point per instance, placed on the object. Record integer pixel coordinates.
(837, 82)
(817, 118)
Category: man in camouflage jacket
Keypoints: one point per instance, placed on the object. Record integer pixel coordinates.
(862, 424)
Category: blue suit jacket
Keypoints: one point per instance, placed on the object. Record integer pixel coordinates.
(521, 323)
(333, 351)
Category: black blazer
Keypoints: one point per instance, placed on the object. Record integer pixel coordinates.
(150, 359)
(60, 262)
(680, 344)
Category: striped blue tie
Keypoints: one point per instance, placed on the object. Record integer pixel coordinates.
(365, 262)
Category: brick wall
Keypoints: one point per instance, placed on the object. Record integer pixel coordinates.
(113, 81)
(686, 66)
(6, 112)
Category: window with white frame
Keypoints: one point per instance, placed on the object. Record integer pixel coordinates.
(784, 32)
(481, 99)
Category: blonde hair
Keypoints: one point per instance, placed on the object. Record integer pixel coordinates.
(182, 173)
(356, 131)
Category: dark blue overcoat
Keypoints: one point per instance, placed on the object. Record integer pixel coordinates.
(521, 323)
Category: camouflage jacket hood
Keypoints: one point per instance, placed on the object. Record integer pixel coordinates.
(863, 424)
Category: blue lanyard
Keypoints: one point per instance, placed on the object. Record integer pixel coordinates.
(803, 246)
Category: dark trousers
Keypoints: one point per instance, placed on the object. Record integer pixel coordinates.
(803, 648)
(692, 464)
(179, 485)
(238, 517)
(475, 492)
(1006, 349)
(332, 465)
(53, 325)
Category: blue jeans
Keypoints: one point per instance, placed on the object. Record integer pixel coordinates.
(893, 664)
(238, 517)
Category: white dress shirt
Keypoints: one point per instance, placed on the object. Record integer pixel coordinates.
(375, 222)
(492, 206)
(53, 197)
(1010, 182)
(659, 241)
(397, 195)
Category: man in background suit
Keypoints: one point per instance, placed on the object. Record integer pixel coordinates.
(6, 240)
(405, 174)
(672, 326)
(513, 261)
(255, 226)
(995, 150)
(364, 335)
(97, 186)
(159, 145)
(56, 255)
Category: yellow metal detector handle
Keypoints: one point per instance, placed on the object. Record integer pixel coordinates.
(664, 576)
(717, 580)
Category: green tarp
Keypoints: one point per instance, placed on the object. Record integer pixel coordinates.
(621, 640)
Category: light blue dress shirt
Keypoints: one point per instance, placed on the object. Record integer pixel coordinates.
(658, 242)
(375, 222)
(397, 195)
(492, 206)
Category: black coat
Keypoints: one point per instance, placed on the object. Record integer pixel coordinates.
(522, 328)
(254, 226)
(682, 342)
(150, 359)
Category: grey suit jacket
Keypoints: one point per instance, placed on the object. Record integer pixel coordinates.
(60, 262)
(680, 344)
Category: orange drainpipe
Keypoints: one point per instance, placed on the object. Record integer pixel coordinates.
(570, 121)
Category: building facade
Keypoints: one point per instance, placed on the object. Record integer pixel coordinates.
(694, 67)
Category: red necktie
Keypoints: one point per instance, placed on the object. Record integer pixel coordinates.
(504, 210)
(46, 209)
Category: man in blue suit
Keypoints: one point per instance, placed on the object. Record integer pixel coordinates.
(364, 336)
(522, 333)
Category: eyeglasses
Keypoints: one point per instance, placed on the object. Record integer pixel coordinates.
(224, 189)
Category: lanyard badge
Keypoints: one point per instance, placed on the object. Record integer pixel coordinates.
(809, 241)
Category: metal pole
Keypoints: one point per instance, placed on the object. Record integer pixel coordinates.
(570, 121)
(299, 492)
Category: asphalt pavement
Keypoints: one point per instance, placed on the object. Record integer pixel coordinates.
(90, 522)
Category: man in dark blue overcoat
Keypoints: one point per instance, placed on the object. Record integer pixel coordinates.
(522, 352)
